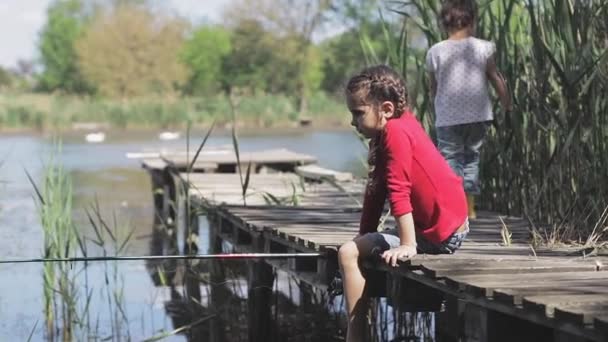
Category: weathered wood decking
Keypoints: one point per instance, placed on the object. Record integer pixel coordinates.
(566, 295)
(225, 160)
(495, 288)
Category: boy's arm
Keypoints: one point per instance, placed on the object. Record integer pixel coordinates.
(499, 84)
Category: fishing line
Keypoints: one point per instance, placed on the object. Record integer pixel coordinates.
(168, 257)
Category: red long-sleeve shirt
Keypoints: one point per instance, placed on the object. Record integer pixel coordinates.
(417, 179)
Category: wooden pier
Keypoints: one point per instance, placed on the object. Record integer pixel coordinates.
(497, 287)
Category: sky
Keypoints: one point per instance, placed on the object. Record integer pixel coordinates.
(22, 20)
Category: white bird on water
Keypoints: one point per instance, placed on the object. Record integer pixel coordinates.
(168, 135)
(95, 137)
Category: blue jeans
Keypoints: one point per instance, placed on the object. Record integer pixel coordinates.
(460, 146)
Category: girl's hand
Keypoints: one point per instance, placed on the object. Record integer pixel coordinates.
(402, 252)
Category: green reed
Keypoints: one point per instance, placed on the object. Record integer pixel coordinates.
(548, 160)
(55, 208)
(67, 305)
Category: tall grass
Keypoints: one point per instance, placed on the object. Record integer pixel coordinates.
(67, 305)
(60, 292)
(43, 112)
(113, 239)
(549, 159)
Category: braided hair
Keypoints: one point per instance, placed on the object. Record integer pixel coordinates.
(375, 85)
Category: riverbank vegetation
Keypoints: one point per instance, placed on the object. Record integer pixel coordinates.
(548, 159)
(138, 64)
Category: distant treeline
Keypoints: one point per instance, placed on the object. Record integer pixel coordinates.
(125, 49)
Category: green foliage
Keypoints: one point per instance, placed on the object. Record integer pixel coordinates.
(343, 54)
(312, 75)
(252, 63)
(47, 112)
(204, 54)
(5, 78)
(283, 30)
(125, 49)
(548, 159)
(65, 22)
(130, 51)
(55, 208)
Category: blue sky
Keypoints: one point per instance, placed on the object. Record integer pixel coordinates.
(21, 21)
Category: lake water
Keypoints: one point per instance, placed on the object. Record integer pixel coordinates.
(101, 173)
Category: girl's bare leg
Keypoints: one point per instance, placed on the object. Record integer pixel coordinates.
(354, 286)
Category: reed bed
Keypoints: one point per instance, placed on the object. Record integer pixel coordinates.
(68, 296)
(548, 160)
(58, 112)
(60, 293)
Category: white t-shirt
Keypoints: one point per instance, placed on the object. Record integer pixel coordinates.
(462, 85)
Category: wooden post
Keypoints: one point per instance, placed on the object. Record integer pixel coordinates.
(475, 323)
(449, 322)
(561, 336)
(306, 296)
(191, 232)
(158, 194)
(217, 278)
(261, 280)
(482, 324)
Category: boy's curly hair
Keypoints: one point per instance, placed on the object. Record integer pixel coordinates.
(377, 84)
(457, 14)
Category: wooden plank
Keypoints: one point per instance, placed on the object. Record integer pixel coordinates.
(317, 172)
(220, 188)
(581, 313)
(546, 303)
(234, 178)
(515, 296)
(484, 285)
(443, 268)
(224, 157)
(153, 163)
(600, 323)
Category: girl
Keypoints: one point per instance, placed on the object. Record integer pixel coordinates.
(425, 195)
(459, 69)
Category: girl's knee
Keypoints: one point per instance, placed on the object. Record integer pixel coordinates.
(348, 252)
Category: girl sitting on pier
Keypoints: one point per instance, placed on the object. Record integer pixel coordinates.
(426, 197)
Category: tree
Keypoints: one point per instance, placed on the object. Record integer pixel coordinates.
(293, 23)
(253, 63)
(130, 51)
(25, 68)
(344, 55)
(64, 26)
(352, 14)
(204, 53)
(5, 78)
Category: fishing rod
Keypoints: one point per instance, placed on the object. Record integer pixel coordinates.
(168, 257)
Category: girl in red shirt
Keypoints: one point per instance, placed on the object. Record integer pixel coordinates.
(426, 197)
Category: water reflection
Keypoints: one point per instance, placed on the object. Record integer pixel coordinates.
(232, 300)
(206, 300)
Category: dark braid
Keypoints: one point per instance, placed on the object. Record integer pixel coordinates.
(375, 85)
(380, 83)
